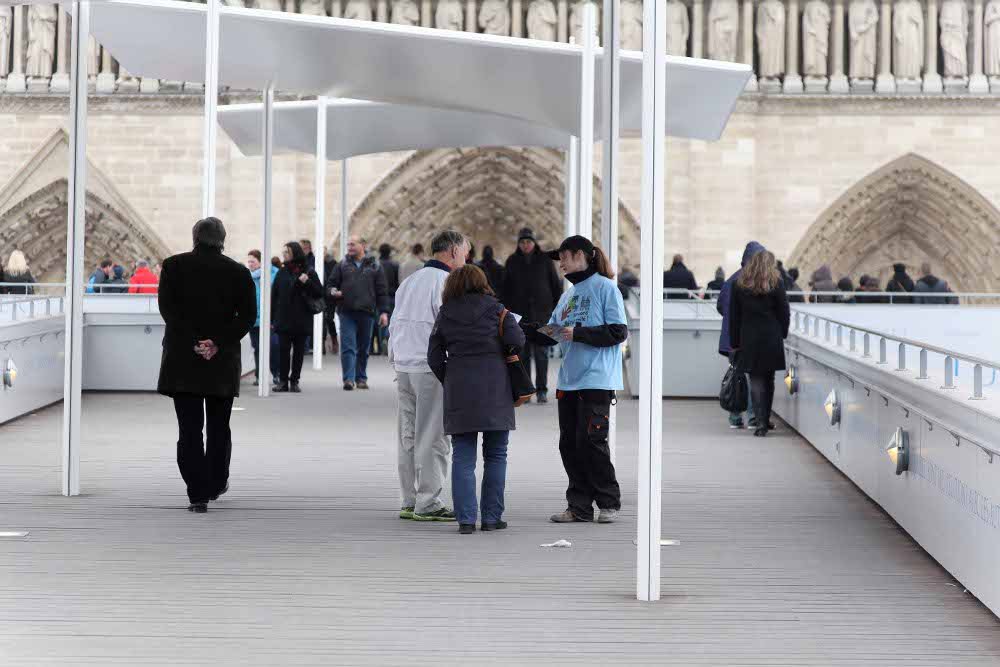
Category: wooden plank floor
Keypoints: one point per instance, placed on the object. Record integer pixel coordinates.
(782, 560)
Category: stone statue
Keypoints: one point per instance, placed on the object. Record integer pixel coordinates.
(360, 10)
(494, 17)
(542, 20)
(271, 5)
(41, 50)
(631, 28)
(908, 39)
(405, 12)
(954, 38)
(678, 27)
(771, 38)
(815, 37)
(992, 38)
(576, 23)
(449, 15)
(723, 26)
(313, 7)
(862, 23)
(6, 23)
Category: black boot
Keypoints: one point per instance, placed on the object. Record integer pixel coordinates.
(198, 508)
(280, 388)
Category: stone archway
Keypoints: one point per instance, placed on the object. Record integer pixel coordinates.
(910, 210)
(487, 193)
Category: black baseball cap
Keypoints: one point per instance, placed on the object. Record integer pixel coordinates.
(572, 244)
(526, 233)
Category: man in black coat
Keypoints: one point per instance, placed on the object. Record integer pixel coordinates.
(531, 289)
(679, 277)
(209, 304)
(900, 282)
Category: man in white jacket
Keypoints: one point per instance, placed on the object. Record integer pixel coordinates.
(424, 450)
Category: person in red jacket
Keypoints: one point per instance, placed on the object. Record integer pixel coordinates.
(144, 281)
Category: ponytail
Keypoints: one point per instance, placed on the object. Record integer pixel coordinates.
(601, 264)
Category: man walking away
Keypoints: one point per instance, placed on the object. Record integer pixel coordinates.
(330, 313)
(390, 268)
(358, 286)
(900, 282)
(208, 303)
(413, 263)
(931, 284)
(531, 289)
(144, 281)
(424, 450)
(679, 277)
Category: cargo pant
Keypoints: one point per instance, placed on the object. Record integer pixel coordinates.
(424, 449)
(583, 445)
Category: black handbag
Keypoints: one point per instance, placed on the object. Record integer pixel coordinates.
(521, 386)
(315, 305)
(734, 394)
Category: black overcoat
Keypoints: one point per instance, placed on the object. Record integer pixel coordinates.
(290, 313)
(758, 326)
(531, 285)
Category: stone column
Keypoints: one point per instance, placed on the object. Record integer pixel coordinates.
(697, 29)
(793, 82)
(106, 79)
(838, 78)
(978, 83)
(516, 19)
(60, 80)
(471, 24)
(16, 81)
(885, 83)
(932, 80)
(382, 11)
(427, 14)
(562, 15)
(747, 55)
(335, 9)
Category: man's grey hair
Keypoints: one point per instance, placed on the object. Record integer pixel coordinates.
(209, 232)
(446, 240)
(142, 264)
(925, 268)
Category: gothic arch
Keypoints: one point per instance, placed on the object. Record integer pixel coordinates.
(910, 210)
(487, 193)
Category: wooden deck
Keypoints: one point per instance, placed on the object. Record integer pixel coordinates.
(782, 560)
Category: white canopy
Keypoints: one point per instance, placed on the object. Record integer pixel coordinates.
(533, 80)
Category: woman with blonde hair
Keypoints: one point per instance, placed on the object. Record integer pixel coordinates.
(17, 271)
(758, 325)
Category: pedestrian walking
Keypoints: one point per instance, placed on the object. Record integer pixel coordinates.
(900, 282)
(467, 353)
(253, 263)
(390, 268)
(295, 289)
(722, 306)
(207, 303)
(423, 448)
(493, 269)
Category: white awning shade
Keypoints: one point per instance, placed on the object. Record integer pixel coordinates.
(533, 80)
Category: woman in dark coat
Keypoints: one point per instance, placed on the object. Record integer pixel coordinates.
(17, 271)
(291, 316)
(758, 325)
(466, 355)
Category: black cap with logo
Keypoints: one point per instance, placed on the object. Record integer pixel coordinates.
(572, 244)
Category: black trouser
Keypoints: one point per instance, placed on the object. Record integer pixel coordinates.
(204, 465)
(583, 444)
(540, 353)
(292, 350)
(762, 397)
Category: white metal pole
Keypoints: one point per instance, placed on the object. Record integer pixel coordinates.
(572, 199)
(345, 224)
(568, 191)
(651, 299)
(318, 241)
(211, 129)
(75, 230)
(264, 348)
(610, 127)
(585, 167)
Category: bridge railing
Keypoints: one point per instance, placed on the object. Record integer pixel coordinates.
(20, 301)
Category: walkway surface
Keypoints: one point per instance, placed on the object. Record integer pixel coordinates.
(782, 560)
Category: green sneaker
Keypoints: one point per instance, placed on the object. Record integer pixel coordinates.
(406, 513)
(443, 514)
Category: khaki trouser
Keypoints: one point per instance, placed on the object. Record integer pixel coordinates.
(424, 449)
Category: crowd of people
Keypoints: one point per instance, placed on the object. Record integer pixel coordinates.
(111, 278)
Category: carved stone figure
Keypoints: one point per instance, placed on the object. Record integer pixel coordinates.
(678, 27)
(576, 22)
(542, 20)
(862, 24)
(771, 38)
(41, 50)
(908, 39)
(449, 15)
(271, 5)
(360, 10)
(6, 23)
(405, 12)
(815, 37)
(313, 7)
(723, 26)
(494, 17)
(992, 38)
(954, 24)
(631, 29)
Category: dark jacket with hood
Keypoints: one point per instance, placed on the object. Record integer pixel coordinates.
(900, 282)
(204, 295)
(364, 288)
(933, 285)
(725, 296)
(465, 354)
(822, 281)
(679, 277)
(290, 313)
(493, 269)
(531, 285)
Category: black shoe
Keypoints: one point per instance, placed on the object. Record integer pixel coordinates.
(221, 492)
(280, 388)
(362, 384)
(348, 386)
(542, 397)
(256, 383)
(467, 529)
(760, 433)
(295, 388)
(198, 508)
(499, 525)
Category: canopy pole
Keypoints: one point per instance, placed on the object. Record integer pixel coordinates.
(572, 183)
(345, 224)
(610, 129)
(585, 165)
(264, 345)
(211, 129)
(75, 231)
(318, 338)
(654, 51)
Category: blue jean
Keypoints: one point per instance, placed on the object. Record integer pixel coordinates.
(355, 343)
(463, 475)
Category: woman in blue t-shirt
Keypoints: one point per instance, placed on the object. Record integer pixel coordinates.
(590, 326)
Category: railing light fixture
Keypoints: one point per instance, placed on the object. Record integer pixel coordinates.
(899, 450)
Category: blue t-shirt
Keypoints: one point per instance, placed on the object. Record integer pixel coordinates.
(590, 303)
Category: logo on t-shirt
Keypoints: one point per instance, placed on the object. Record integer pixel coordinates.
(577, 309)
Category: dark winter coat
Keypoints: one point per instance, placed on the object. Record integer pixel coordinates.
(531, 285)
(494, 274)
(465, 354)
(933, 285)
(26, 278)
(715, 285)
(822, 281)
(290, 313)
(679, 277)
(204, 295)
(722, 305)
(390, 268)
(364, 289)
(900, 282)
(758, 325)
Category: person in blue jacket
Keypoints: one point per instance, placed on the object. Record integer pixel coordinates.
(590, 326)
(254, 264)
